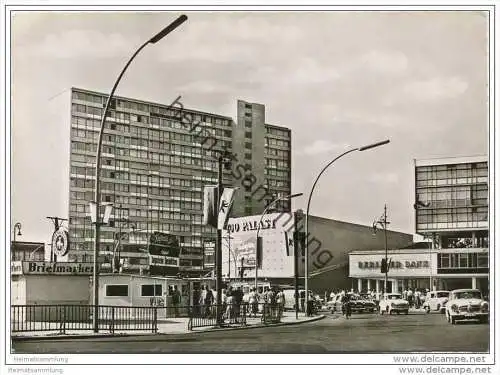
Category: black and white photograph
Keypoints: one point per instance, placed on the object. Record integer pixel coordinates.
(262, 184)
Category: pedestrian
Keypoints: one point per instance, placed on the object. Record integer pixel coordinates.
(253, 301)
(176, 300)
(280, 300)
(209, 299)
(346, 306)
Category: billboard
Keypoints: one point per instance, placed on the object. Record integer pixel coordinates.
(239, 246)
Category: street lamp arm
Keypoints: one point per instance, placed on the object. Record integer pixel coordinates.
(319, 175)
(36, 249)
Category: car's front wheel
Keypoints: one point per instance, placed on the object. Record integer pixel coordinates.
(406, 312)
(427, 309)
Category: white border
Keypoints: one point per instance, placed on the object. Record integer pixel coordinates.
(241, 359)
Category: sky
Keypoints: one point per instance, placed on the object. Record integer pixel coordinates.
(338, 80)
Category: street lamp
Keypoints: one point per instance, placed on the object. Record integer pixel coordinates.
(18, 227)
(97, 197)
(385, 264)
(258, 244)
(363, 148)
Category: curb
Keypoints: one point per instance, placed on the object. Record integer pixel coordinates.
(131, 335)
(314, 319)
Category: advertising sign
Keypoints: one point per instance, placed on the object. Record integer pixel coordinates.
(164, 244)
(401, 265)
(60, 242)
(239, 243)
(163, 261)
(16, 268)
(50, 268)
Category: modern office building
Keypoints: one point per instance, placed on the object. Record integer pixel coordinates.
(451, 208)
(156, 158)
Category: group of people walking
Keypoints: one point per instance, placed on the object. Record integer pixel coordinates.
(235, 302)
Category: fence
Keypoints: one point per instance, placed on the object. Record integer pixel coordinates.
(62, 318)
(230, 315)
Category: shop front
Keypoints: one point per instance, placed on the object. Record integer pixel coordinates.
(408, 268)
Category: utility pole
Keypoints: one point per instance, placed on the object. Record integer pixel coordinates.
(386, 250)
(382, 222)
(218, 248)
(296, 260)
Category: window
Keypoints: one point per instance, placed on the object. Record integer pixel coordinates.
(248, 156)
(151, 290)
(482, 260)
(116, 290)
(248, 123)
(248, 134)
(248, 145)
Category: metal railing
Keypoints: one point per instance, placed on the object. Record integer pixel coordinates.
(231, 315)
(63, 318)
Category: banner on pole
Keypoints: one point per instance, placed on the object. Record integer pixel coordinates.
(210, 205)
(226, 202)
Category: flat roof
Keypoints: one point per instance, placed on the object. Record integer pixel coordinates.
(451, 160)
(118, 97)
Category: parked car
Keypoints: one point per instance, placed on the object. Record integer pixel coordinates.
(393, 302)
(467, 304)
(436, 301)
(368, 303)
(357, 303)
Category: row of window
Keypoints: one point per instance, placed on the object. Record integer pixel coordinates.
(452, 215)
(277, 142)
(278, 132)
(278, 183)
(285, 154)
(453, 192)
(463, 260)
(154, 111)
(181, 205)
(277, 163)
(450, 173)
(277, 173)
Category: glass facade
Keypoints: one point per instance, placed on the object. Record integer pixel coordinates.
(451, 196)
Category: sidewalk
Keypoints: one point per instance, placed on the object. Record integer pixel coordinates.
(169, 326)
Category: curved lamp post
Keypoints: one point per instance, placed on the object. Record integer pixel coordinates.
(258, 229)
(153, 40)
(306, 265)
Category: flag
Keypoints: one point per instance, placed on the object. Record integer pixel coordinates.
(226, 201)
(209, 205)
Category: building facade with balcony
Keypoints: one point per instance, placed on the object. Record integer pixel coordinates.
(155, 160)
(451, 210)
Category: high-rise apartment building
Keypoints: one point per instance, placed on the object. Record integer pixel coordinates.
(452, 208)
(155, 160)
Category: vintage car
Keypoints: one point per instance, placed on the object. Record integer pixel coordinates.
(465, 304)
(368, 302)
(393, 303)
(356, 302)
(436, 301)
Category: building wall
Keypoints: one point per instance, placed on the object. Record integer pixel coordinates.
(53, 290)
(451, 207)
(330, 242)
(451, 194)
(18, 290)
(329, 253)
(154, 168)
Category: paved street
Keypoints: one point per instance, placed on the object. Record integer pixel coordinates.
(363, 333)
